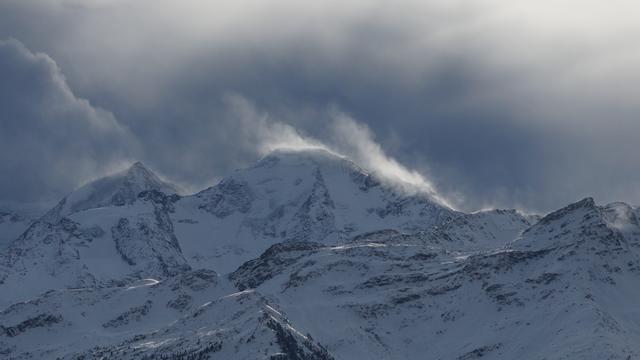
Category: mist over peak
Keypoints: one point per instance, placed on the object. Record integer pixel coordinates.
(450, 94)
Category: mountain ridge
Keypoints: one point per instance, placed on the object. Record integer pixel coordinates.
(308, 256)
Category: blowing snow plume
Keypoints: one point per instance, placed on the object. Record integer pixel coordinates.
(346, 138)
(356, 139)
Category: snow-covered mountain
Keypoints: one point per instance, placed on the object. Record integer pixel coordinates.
(307, 256)
(125, 227)
(308, 195)
(110, 230)
(118, 189)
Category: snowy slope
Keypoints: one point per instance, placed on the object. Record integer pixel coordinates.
(482, 230)
(196, 315)
(309, 195)
(93, 247)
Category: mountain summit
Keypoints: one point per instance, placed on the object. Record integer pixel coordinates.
(116, 189)
(307, 195)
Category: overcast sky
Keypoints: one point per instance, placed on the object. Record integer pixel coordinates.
(491, 103)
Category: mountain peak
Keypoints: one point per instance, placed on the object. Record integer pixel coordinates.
(582, 221)
(306, 156)
(586, 203)
(138, 173)
(137, 166)
(117, 189)
(318, 152)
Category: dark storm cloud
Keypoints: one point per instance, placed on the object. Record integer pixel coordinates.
(496, 103)
(49, 138)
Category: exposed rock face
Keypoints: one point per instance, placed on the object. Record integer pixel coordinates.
(226, 198)
(42, 320)
(150, 243)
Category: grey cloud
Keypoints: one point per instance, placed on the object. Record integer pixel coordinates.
(497, 103)
(50, 140)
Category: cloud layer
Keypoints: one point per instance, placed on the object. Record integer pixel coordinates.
(497, 103)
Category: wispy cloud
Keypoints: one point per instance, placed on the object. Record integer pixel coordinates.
(50, 139)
